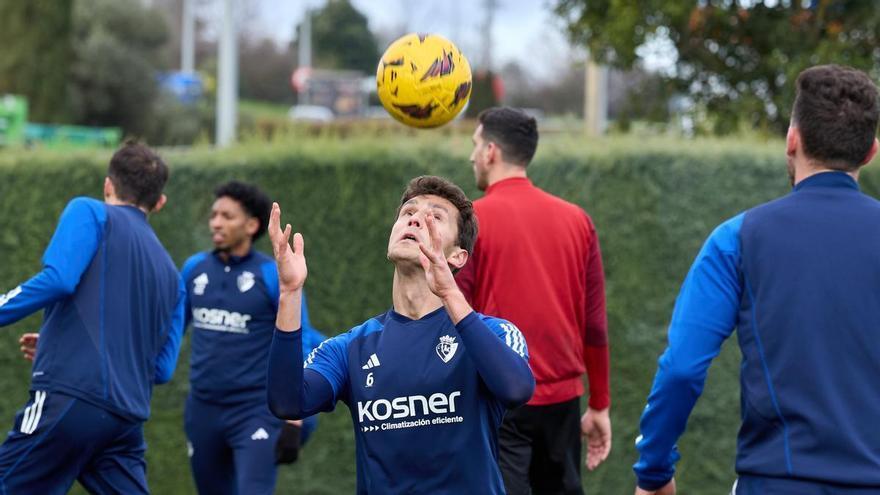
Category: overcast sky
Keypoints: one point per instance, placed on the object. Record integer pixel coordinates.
(524, 30)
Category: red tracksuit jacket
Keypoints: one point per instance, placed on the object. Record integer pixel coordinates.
(537, 264)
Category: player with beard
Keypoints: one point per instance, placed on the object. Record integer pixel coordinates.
(537, 262)
(797, 278)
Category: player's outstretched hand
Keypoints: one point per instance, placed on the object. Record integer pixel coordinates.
(291, 263)
(437, 271)
(596, 429)
(28, 342)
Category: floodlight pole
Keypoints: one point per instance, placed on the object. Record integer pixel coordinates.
(227, 78)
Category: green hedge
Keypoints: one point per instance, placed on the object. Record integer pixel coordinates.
(653, 203)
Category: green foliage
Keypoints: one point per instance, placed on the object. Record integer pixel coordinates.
(117, 47)
(94, 63)
(35, 37)
(173, 123)
(653, 203)
(737, 60)
(341, 38)
(646, 99)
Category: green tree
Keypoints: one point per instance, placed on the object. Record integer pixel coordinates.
(341, 38)
(737, 59)
(35, 37)
(117, 47)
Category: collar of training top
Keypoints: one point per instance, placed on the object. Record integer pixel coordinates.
(133, 209)
(233, 260)
(828, 179)
(509, 182)
(437, 313)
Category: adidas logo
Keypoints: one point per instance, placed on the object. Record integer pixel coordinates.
(373, 362)
(32, 414)
(260, 435)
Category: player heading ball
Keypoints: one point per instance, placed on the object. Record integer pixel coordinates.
(428, 381)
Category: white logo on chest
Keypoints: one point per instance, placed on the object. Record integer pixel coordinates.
(446, 348)
(220, 320)
(373, 362)
(245, 281)
(199, 284)
(407, 406)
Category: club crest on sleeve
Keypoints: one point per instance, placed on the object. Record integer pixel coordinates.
(245, 281)
(446, 348)
(199, 284)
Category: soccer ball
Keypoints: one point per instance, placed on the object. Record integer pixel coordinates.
(423, 80)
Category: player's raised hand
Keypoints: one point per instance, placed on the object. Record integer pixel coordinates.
(291, 262)
(28, 343)
(437, 271)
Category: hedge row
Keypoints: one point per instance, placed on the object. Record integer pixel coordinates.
(653, 204)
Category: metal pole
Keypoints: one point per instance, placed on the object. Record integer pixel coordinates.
(305, 49)
(227, 78)
(490, 6)
(596, 99)
(188, 38)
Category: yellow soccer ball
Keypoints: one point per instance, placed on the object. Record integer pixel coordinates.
(423, 80)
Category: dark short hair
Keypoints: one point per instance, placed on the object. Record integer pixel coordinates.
(438, 186)
(138, 175)
(252, 200)
(836, 112)
(513, 130)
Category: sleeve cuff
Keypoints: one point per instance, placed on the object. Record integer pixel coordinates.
(598, 367)
(652, 486)
(600, 402)
(294, 335)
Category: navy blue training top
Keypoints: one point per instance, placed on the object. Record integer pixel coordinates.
(426, 397)
(113, 301)
(799, 278)
(232, 306)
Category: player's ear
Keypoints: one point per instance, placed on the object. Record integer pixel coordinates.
(871, 153)
(159, 204)
(252, 225)
(109, 189)
(457, 258)
(792, 141)
(492, 152)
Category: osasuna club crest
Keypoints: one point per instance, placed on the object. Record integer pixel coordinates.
(446, 348)
(245, 281)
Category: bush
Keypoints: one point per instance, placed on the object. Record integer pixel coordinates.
(653, 203)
